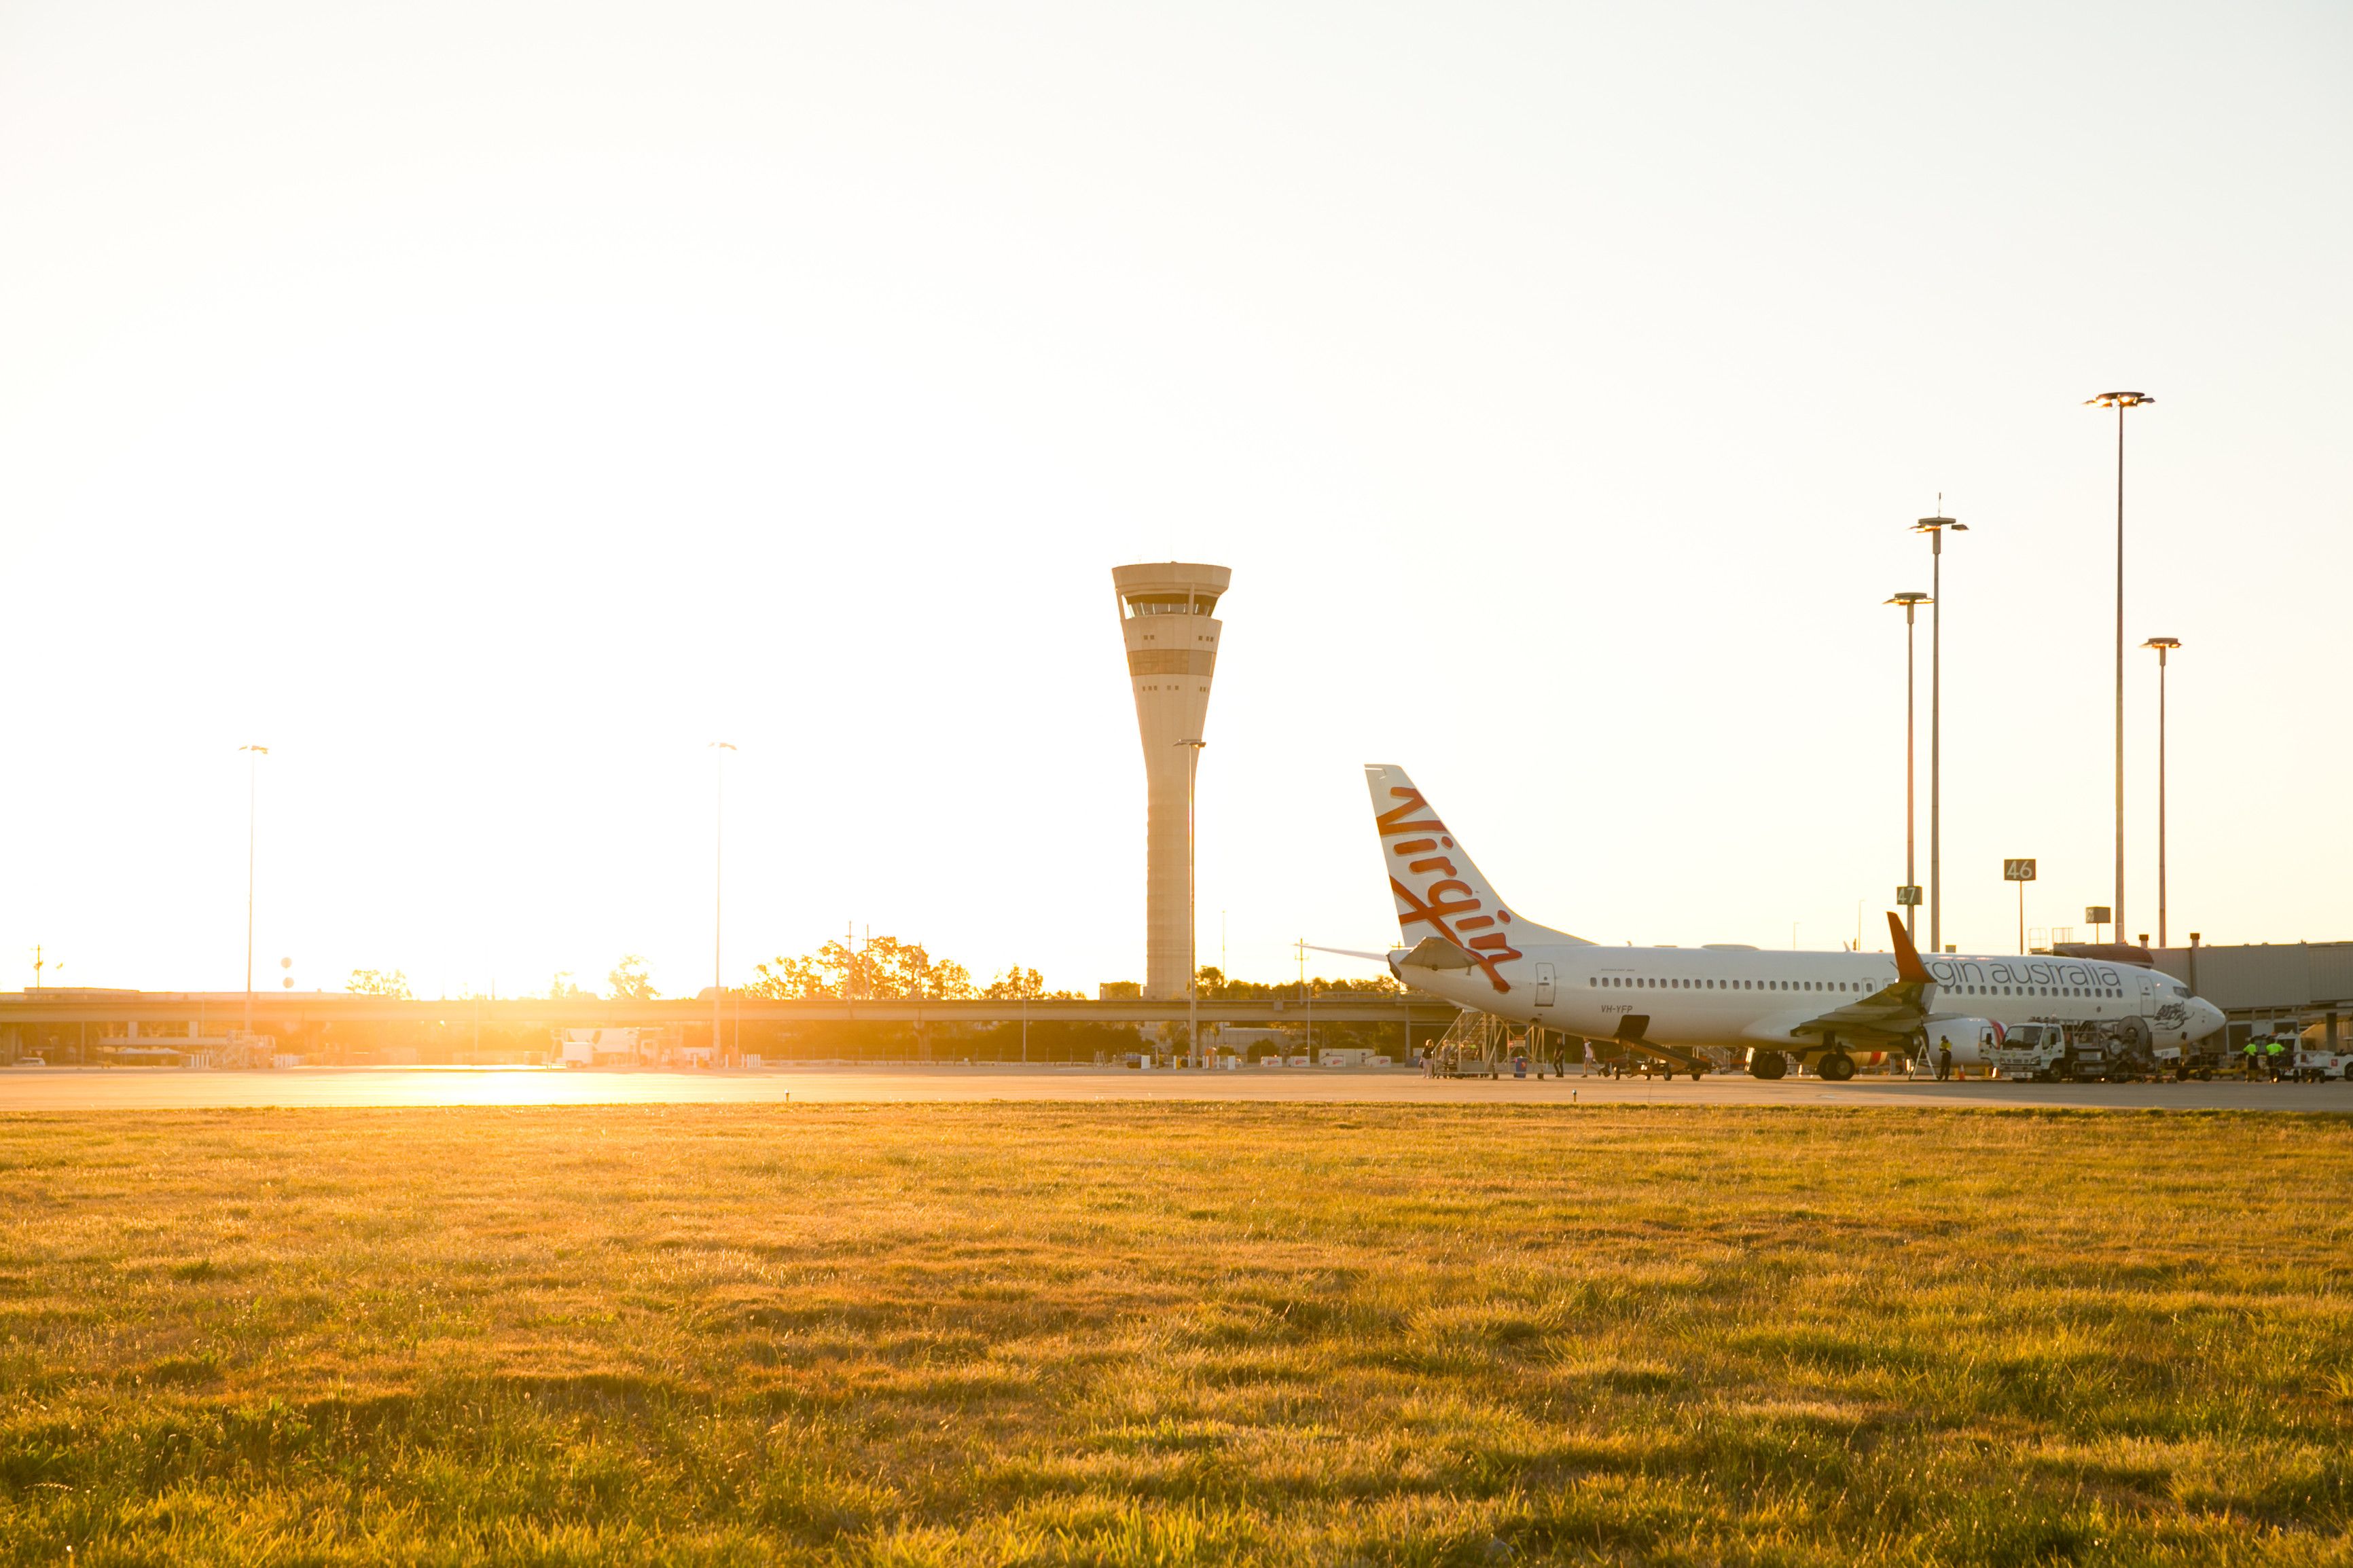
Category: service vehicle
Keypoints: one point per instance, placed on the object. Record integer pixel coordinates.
(2319, 1063)
(2058, 1052)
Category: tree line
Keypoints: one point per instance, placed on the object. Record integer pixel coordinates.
(885, 969)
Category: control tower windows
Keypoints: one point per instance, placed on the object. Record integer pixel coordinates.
(1172, 604)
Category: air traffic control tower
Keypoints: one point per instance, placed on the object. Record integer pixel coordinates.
(1168, 616)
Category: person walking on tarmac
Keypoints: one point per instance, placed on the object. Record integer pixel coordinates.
(2273, 1053)
(1944, 1060)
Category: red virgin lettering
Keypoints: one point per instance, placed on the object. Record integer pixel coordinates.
(1392, 822)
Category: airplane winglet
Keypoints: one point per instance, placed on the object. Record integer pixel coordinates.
(1907, 957)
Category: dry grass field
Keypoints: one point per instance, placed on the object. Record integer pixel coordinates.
(1143, 1334)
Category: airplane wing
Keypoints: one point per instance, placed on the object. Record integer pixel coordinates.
(1890, 1015)
(1350, 952)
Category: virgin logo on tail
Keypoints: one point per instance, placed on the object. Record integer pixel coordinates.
(1449, 905)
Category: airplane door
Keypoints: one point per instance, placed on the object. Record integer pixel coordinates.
(1544, 984)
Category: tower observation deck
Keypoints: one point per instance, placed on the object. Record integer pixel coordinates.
(1168, 618)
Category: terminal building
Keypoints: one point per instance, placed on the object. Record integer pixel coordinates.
(1168, 621)
(2270, 989)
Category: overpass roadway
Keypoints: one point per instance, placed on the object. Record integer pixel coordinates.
(285, 1012)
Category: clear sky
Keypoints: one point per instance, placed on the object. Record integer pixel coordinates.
(487, 405)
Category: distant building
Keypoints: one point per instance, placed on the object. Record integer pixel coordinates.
(1167, 618)
(2286, 986)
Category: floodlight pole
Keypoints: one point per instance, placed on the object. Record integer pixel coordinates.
(1911, 603)
(2163, 645)
(2120, 401)
(1934, 527)
(719, 750)
(252, 793)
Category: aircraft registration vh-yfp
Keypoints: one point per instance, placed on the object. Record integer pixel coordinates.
(1463, 943)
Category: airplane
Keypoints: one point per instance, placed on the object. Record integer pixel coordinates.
(1463, 942)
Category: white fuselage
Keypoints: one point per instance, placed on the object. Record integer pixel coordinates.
(1739, 996)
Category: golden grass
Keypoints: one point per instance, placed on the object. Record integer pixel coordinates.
(1146, 1334)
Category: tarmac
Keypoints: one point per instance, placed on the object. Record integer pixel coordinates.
(24, 1090)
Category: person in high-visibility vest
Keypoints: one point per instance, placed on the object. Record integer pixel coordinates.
(2273, 1050)
(2255, 1056)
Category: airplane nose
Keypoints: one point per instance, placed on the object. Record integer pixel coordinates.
(2210, 1017)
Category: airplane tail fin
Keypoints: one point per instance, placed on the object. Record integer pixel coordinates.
(1438, 890)
(1907, 957)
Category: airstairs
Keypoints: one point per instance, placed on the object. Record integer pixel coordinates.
(1477, 1045)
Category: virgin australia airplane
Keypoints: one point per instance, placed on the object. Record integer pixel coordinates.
(1464, 943)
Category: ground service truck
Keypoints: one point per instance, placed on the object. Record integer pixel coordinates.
(2051, 1052)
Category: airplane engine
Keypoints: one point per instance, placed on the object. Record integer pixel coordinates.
(1972, 1040)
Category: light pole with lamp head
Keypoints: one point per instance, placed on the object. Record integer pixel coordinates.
(1911, 892)
(2163, 645)
(719, 750)
(1192, 981)
(2120, 401)
(252, 792)
(1934, 527)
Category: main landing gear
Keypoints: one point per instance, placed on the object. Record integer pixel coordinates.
(1835, 1067)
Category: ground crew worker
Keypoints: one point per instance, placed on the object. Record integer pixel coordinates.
(2272, 1051)
(1944, 1060)
(2253, 1049)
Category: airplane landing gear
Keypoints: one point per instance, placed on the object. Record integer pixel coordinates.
(1768, 1065)
(1836, 1068)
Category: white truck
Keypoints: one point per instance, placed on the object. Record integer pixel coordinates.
(2061, 1052)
